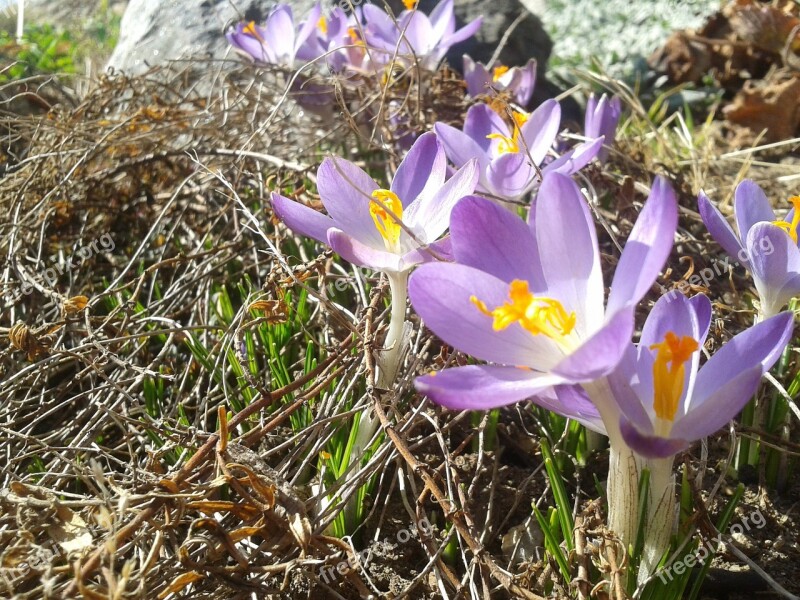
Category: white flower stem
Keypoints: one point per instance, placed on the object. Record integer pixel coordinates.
(386, 369)
(622, 493)
(660, 521)
(624, 467)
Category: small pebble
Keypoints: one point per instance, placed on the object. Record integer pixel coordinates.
(744, 543)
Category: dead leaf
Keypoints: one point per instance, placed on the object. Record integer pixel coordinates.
(180, 582)
(72, 533)
(74, 305)
(772, 105)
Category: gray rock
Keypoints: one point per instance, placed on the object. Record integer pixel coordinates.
(155, 32)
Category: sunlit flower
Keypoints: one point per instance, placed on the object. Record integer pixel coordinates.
(602, 118)
(415, 34)
(666, 400)
(530, 297)
(765, 244)
(509, 155)
(517, 82)
(276, 42)
(329, 37)
(391, 229)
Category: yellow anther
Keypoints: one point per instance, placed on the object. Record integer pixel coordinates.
(791, 228)
(322, 25)
(251, 30)
(410, 4)
(506, 145)
(510, 144)
(498, 72)
(535, 314)
(387, 213)
(520, 118)
(354, 36)
(669, 373)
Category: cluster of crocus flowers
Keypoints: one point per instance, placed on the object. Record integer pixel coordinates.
(512, 148)
(528, 299)
(413, 37)
(765, 244)
(369, 38)
(517, 83)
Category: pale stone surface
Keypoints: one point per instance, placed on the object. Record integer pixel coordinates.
(154, 32)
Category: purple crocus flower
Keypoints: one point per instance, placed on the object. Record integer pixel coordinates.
(329, 37)
(278, 41)
(387, 230)
(666, 401)
(517, 82)
(602, 118)
(509, 156)
(765, 244)
(530, 297)
(414, 33)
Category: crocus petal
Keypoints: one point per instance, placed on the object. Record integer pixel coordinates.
(572, 402)
(248, 44)
(483, 387)
(509, 175)
(647, 248)
(459, 146)
(567, 240)
(279, 34)
(720, 230)
(378, 21)
(775, 264)
(540, 130)
(627, 391)
(442, 19)
(440, 250)
(422, 171)
(722, 405)
(676, 314)
(702, 310)
(493, 239)
(345, 191)
(302, 219)
(649, 445)
(525, 83)
(460, 35)
(759, 346)
(681, 316)
(476, 76)
(601, 353)
(481, 121)
(417, 30)
(573, 161)
(308, 27)
(440, 294)
(750, 205)
(362, 255)
(431, 216)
